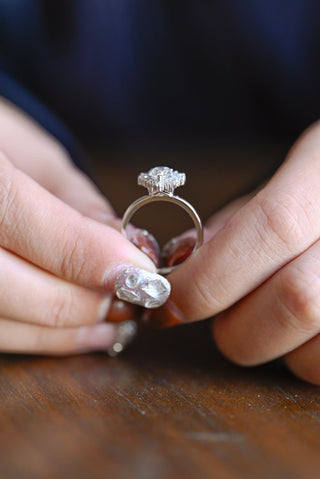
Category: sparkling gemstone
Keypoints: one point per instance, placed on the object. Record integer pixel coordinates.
(161, 180)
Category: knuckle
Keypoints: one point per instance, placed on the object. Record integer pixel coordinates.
(8, 194)
(299, 297)
(73, 257)
(40, 340)
(206, 295)
(286, 219)
(61, 312)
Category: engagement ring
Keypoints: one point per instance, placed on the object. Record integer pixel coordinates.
(161, 182)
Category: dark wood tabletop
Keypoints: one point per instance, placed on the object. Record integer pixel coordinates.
(170, 406)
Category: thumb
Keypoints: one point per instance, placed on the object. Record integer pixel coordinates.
(268, 232)
(178, 249)
(184, 294)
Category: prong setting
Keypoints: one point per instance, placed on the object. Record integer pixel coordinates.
(161, 180)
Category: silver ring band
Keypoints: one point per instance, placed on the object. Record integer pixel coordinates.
(164, 192)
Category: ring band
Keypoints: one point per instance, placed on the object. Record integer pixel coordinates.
(161, 182)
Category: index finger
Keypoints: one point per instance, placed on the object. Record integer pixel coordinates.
(50, 234)
(269, 231)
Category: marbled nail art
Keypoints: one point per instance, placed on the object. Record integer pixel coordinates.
(146, 242)
(140, 287)
(177, 250)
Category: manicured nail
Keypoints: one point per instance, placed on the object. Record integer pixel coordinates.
(177, 250)
(120, 311)
(98, 337)
(146, 242)
(100, 215)
(138, 286)
(126, 332)
(165, 317)
(104, 307)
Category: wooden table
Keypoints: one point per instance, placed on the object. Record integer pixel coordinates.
(171, 406)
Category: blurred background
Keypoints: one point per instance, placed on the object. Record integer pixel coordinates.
(217, 89)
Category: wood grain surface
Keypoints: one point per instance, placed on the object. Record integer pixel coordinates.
(171, 406)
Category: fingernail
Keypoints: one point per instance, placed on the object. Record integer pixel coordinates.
(100, 215)
(177, 250)
(146, 242)
(125, 334)
(98, 337)
(120, 311)
(138, 286)
(104, 307)
(165, 317)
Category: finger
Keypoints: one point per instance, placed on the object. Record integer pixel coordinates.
(146, 243)
(275, 226)
(304, 361)
(30, 148)
(78, 191)
(120, 311)
(93, 204)
(32, 339)
(278, 317)
(39, 155)
(178, 249)
(47, 232)
(220, 218)
(31, 295)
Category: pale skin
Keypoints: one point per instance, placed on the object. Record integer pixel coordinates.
(259, 269)
(59, 251)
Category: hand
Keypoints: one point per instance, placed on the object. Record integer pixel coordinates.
(260, 269)
(59, 262)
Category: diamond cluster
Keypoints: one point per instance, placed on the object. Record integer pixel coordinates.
(161, 180)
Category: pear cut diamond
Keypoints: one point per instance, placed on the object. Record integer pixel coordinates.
(161, 180)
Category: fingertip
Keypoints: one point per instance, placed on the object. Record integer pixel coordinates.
(165, 317)
(95, 338)
(305, 369)
(238, 352)
(146, 243)
(126, 253)
(104, 307)
(177, 250)
(120, 311)
(110, 338)
(142, 260)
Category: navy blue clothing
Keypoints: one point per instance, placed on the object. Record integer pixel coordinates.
(158, 70)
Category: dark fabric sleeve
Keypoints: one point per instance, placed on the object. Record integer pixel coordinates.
(30, 104)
